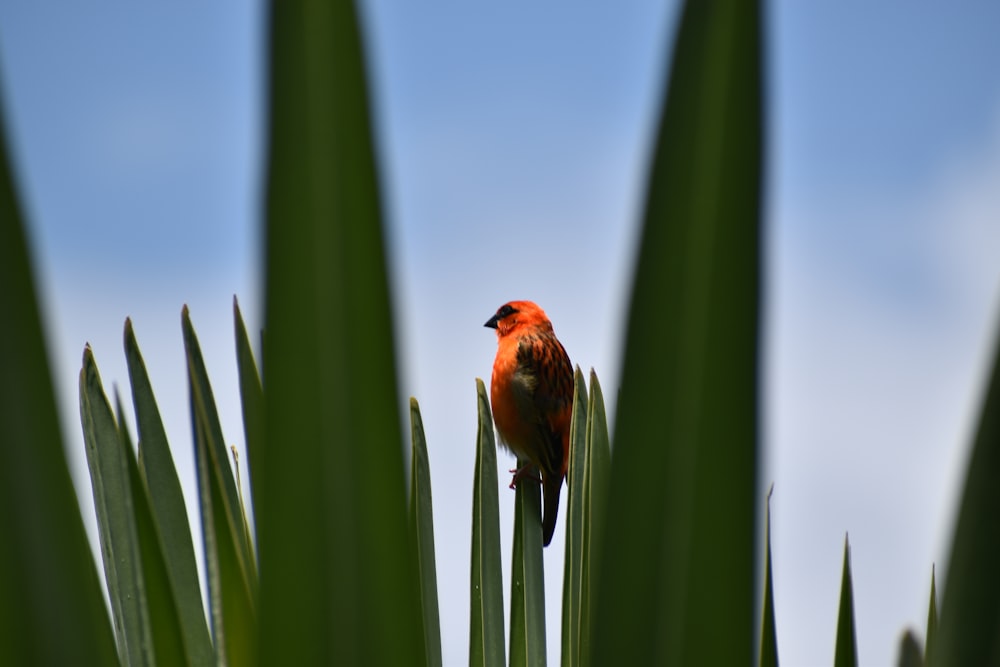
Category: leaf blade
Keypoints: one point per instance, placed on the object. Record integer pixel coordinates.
(114, 503)
(168, 506)
(329, 365)
(232, 582)
(422, 532)
(527, 580)
(685, 449)
(970, 607)
(576, 517)
(49, 585)
(486, 636)
(846, 652)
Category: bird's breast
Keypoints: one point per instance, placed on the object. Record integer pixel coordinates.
(511, 394)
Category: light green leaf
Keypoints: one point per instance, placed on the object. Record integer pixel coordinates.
(168, 506)
(232, 583)
(527, 581)
(422, 532)
(597, 478)
(486, 628)
(109, 478)
(576, 517)
(251, 395)
(157, 593)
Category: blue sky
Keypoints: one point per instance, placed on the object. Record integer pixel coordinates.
(513, 144)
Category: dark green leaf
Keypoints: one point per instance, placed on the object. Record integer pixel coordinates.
(910, 654)
(422, 532)
(168, 506)
(331, 497)
(678, 562)
(970, 608)
(51, 611)
(768, 636)
(846, 654)
(932, 623)
(486, 628)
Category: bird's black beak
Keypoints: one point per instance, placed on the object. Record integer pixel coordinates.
(492, 322)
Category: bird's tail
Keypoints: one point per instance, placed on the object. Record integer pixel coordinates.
(551, 487)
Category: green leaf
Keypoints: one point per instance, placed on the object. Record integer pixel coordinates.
(970, 608)
(143, 603)
(932, 623)
(576, 516)
(486, 627)
(846, 654)
(597, 478)
(168, 507)
(768, 636)
(331, 496)
(527, 581)
(109, 477)
(678, 562)
(51, 606)
(228, 563)
(251, 395)
(909, 651)
(157, 592)
(422, 533)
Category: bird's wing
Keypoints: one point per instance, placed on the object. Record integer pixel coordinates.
(545, 360)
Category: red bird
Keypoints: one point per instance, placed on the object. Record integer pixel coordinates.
(532, 397)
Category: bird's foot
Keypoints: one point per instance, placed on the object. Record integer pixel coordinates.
(524, 472)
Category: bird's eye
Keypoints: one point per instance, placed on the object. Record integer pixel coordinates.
(505, 310)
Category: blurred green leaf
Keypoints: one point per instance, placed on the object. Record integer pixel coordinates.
(572, 610)
(909, 651)
(846, 654)
(333, 457)
(422, 531)
(51, 611)
(228, 563)
(768, 636)
(678, 561)
(160, 475)
(486, 619)
(970, 608)
(932, 623)
(527, 579)
(251, 395)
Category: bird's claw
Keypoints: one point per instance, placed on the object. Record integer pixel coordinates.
(524, 472)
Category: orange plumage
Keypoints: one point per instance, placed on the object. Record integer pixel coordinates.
(532, 397)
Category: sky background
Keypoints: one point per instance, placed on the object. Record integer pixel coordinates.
(513, 144)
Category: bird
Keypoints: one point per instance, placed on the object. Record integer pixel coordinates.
(531, 392)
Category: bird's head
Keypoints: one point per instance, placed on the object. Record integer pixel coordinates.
(518, 315)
